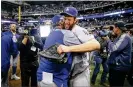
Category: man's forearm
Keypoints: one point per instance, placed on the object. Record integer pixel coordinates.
(85, 47)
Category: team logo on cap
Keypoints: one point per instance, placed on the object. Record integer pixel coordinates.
(67, 9)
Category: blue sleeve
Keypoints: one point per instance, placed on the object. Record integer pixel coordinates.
(117, 46)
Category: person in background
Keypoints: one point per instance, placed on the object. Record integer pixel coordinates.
(28, 45)
(120, 55)
(100, 57)
(130, 75)
(7, 49)
(14, 60)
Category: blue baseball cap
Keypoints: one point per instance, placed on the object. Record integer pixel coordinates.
(56, 19)
(71, 11)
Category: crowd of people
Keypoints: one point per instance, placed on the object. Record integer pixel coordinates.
(104, 21)
(58, 7)
(110, 9)
(33, 9)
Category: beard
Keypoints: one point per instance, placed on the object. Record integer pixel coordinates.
(70, 27)
(63, 25)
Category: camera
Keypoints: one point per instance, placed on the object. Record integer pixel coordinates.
(25, 30)
(103, 33)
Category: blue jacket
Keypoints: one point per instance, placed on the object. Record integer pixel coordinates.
(7, 49)
(120, 53)
(60, 71)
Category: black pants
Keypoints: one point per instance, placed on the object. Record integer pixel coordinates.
(116, 78)
(130, 75)
(28, 73)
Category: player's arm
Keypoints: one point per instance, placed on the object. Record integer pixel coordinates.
(89, 43)
(85, 47)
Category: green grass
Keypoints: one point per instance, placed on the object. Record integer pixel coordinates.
(98, 79)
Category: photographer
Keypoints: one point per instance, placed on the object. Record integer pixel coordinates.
(120, 55)
(28, 45)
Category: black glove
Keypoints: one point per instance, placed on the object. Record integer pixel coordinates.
(52, 54)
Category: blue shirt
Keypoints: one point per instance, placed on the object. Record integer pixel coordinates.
(60, 71)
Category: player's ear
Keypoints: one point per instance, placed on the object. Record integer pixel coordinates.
(76, 20)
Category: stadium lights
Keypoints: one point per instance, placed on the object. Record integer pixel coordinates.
(80, 18)
(120, 12)
(32, 21)
(3, 21)
(121, 16)
(37, 14)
